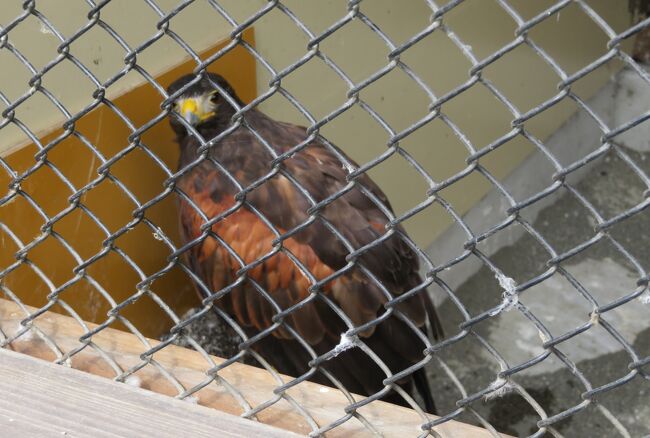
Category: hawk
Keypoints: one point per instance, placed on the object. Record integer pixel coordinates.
(243, 233)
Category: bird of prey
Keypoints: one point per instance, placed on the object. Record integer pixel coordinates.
(240, 155)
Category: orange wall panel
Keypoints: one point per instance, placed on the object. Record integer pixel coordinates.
(140, 174)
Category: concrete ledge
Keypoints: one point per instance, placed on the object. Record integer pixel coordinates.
(625, 97)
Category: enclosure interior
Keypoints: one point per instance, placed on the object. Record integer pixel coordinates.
(509, 136)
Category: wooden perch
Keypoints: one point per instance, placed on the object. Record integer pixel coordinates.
(43, 400)
(256, 385)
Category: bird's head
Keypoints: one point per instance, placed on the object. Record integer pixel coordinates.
(201, 105)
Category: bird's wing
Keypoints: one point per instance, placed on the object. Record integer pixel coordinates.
(281, 278)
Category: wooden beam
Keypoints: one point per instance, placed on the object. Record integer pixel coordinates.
(256, 385)
(41, 399)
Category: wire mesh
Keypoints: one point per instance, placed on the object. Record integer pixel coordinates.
(467, 405)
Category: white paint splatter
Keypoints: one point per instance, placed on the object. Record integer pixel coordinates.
(192, 399)
(323, 389)
(498, 388)
(510, 297)
(645, 297)
(346, 343)
(133, 381)
(158, 234)
(45, 30)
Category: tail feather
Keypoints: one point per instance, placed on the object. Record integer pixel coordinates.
(393, 341)
(421, 385)
(434, 324)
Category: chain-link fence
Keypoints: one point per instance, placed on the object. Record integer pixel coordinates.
(353, 311)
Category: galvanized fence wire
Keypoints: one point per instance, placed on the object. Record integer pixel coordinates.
(504, 378)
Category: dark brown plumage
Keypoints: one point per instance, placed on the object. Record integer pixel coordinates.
(356, 217)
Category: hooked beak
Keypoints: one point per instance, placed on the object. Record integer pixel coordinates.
(189, 110)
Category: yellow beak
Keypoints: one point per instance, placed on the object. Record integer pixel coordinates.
(196, 109)
(189, 109)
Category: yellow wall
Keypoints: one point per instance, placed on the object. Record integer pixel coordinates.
(572, 39)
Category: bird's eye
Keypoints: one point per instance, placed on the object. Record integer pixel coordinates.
(214, 97)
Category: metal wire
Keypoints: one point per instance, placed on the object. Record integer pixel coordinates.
(504, 378)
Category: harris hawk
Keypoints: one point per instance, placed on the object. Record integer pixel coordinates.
(241, 156)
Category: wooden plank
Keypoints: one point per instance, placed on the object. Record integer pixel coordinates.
(256, 385)
(41, 399)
